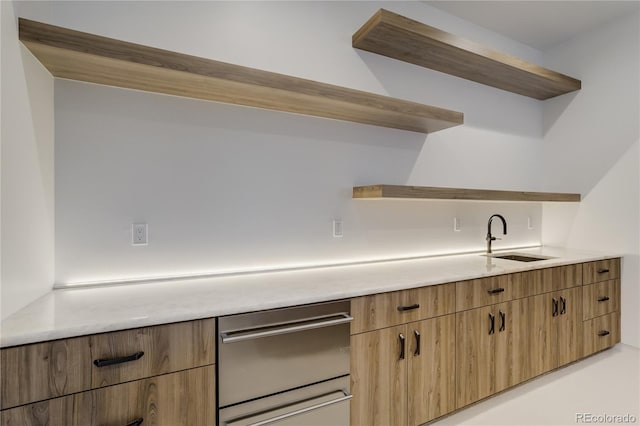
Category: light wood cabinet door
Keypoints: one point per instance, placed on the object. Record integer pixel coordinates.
(601, 270)
(475, 366)
(512, 352)
(379, 377)
(487, 291)
(542, 336)
(431, 370)
(186, 398)
(568, 326)
(600, 299)
(600, 333)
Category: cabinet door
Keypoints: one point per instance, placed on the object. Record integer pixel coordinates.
(379, 377)
(475, 367)
(568, 326)
(184, 398)
(542, 336)
(512, 359)
(431, 370)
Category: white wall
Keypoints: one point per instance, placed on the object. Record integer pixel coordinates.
(591, 146)
(228, 188)
(26, 170)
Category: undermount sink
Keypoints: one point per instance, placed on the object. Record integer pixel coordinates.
(520, 257)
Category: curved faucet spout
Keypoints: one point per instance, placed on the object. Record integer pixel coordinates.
(491, 237)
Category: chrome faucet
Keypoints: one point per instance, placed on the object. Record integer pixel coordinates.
(491, 237)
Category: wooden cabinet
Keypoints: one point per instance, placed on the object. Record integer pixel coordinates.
(555, 329)
(601, 270)
(183, 398)
(601, 333)
(600, 299)
(46, 370)
(403, 375)
(492, 350)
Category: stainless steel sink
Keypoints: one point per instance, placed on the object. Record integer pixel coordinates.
(520, 257)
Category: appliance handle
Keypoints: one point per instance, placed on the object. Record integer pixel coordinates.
(285, 327)
(345, 397)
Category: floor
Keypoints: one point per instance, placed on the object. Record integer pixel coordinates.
(605, 384)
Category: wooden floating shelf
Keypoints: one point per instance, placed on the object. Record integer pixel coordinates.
(395, 36)
(437, 193)
(86, 57)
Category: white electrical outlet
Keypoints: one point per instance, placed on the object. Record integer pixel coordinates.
(456, 225)
(337, 228)
(140, 234)
(529, 223)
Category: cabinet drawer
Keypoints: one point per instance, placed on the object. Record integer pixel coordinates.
(600, 299)
(486, 291)
(601, 333)
(183, 398)
(601, 270)
(399, 307)
(47, 370)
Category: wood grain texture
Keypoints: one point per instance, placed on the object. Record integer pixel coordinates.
(512, 351)
(592, 341)
(184, 398)
(44, 370)
(166, 348)
(543, 336)
(438, 193)
(378, 378)
(475, 356)
(475, 293)
(561, 277)
(398, 37)
(86, 57)
(600, 299)
(431, 373)
(569, 327)
(381, 310)
(601, 270)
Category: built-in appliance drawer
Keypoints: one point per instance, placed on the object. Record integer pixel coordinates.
(266, 352)
(322, 404)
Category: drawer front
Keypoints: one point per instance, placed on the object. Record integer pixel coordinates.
(486, 291)
(601, 270)
(183, 398)
(46, 370)
(166, 348)
(601, 333)
(601, 299)
(399, 307)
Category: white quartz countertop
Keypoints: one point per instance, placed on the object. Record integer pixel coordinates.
(76, 312)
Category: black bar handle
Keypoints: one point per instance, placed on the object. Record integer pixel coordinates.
(503, 318)
(136, 422)
(408, 308)
(492, 323)
(554, 312)
(563, 310)
(603, 271)
(416, 333)
(603, 333)
(402, 340)
(113, 361)
(603, 299)
(495, 290)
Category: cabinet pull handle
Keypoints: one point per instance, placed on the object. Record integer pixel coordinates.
(603, 271)
(554, 312)
(113, 361)
(492, 323)
(136, 422)
(495, 290)
(503, 318)
(603, 299)
(563, 310)
(416, 333)
(408, 308)
(402, 340)
(603, 333)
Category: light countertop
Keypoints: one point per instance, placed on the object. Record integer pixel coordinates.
(76, 312)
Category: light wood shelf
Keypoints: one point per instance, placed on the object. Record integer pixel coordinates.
(398, 37)
(438, 193)
(86, 57)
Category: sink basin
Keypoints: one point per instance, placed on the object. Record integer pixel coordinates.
(520, 257)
